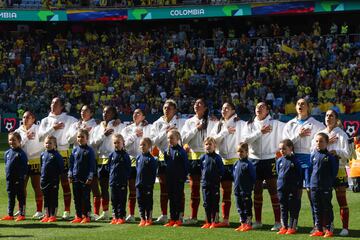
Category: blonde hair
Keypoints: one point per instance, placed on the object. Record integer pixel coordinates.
(118, 136)
(52, 139)
(171, 102)
(210, 139)
(83, 131)
(174, 132)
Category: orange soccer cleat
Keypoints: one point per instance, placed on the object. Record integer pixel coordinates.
(282, 231)
(76, 220)
(170, 223)
(148, 223)
(7, 218)
(52, 219)
(120, 221)
(238, 229)
(328, 234)
(317, 233)
(20, 218)
(85, 220)
(45, 219)
(220, 224)
(291, 231)
(142, 223)
(113, 221)
(247, 227)
(178, 223)
(206, 225)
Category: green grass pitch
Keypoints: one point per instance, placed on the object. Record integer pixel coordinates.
(33, 229)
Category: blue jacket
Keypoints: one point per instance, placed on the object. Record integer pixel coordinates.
(212, 169)
(82, 164)
(119, 167)
(177, 164)
(289, 173)
(324, 168)
(146, 167)
(15, 164)
(52, 166)
(244, 176)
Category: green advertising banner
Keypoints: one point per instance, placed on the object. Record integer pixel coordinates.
(189, 12)
(336, 6)
(36, 16)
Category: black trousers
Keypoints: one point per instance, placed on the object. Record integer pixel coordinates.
(211, 197)
(176, 194)
(144, 195)
(118, 200)
(323, 209)
(15, 189)
(51, 193)
(82, 199)
(244, 206)
(290, 204)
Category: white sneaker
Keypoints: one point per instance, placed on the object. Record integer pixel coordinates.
(162, 219)
(66, 215)
(130, 218)
(17, 214)
(104, 216)
(38, 215)
(190, 221)
(313, 230)
(276, 227)
(94, 216)
(344, 232)
(257, 225)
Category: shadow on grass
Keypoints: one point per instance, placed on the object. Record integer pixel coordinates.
(53, 225)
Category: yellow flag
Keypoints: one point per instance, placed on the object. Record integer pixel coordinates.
(289, 50)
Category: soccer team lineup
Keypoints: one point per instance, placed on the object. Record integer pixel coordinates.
(105, 168)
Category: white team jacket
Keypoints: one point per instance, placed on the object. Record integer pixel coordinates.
(341, 146)
(102, 143)
(46, 128)
(32, 147)
(132, 142)
(263, 146)
(71, 134)
(158, 131)
(193, 137)
(292, 130)
(226, 142)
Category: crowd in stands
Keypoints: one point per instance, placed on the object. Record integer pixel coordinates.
(116, 3)
(141, 70)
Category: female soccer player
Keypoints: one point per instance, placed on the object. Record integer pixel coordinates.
(57, 124)
(263, 134)
(101, 139)
(169, 121)
(194, 132)
(133, 135)
(32, 146)
(227, 133)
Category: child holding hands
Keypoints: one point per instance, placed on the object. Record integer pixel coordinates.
(81, 172)
(146, 167)
(212, 168)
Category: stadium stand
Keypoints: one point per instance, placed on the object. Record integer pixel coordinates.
(141, 69)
